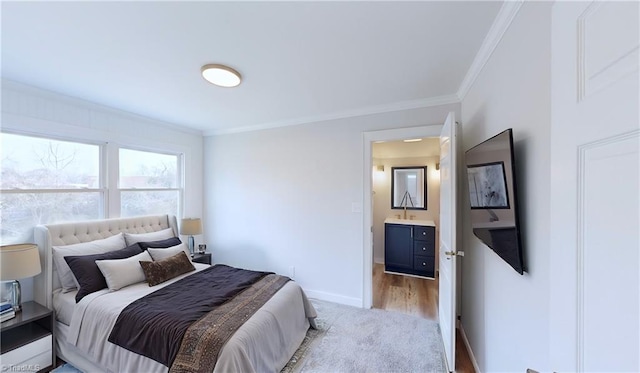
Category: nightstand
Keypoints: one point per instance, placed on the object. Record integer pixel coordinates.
(204, 258)
(26, 341)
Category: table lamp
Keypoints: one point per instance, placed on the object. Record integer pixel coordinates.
(191, 227)
(17, 262)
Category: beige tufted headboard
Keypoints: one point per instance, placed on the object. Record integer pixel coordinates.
(50, 235)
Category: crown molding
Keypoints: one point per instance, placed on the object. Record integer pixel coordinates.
(371, 110)
(503, 20)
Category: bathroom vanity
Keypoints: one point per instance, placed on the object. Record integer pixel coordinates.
(410, 247)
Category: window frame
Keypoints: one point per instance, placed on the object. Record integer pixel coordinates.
(108, 174)
(180, 184)
(101, 190)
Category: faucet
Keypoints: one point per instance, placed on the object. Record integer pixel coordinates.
(406, 199)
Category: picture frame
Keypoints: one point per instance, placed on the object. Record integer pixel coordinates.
(488, 186)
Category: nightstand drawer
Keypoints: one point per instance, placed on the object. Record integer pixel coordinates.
(204, 258)
(30, 357)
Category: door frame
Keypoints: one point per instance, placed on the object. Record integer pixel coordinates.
(432, 130)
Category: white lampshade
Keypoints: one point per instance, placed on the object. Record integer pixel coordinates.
(191, 227)
(19, 261)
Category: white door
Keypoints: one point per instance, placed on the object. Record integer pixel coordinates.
(447, 247)
(595, 203)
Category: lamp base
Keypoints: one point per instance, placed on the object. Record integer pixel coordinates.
(192, 246)
(16, 296)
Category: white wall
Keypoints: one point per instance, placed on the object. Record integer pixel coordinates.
(29, 110)
(285, 197)
(382, 197)
(505, 315)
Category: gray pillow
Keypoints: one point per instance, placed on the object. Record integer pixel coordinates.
(132, 238)
(159, 254)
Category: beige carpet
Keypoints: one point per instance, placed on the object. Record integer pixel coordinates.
(352, 339)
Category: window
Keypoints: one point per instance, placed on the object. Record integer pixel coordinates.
(149, 183)
(44, 181)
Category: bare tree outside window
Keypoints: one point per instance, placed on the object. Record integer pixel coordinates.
(44, 181)
(148, 183)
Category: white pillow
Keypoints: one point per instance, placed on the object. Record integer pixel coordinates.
(132, 238)
(123, 272)
(163, 253)
(67, 281)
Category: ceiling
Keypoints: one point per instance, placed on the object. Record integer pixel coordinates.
(428, 147)
(300, 61)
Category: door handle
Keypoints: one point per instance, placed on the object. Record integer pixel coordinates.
(452, 253)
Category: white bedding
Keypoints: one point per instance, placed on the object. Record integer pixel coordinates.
(265, 341)
(263, 344)
(63, 305)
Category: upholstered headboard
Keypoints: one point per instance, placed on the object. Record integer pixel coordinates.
(61, 234)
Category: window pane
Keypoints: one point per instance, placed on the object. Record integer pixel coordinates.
(37, 163)
(20, 212)
(149, 203)
(147, 170)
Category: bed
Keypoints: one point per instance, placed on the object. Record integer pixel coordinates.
(263, 343)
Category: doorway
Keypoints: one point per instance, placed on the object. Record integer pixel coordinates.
(410, 293)
(369, 139)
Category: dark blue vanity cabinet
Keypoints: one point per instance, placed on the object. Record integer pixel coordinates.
(410, 249)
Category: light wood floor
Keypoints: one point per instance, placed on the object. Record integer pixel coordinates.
(414, 296)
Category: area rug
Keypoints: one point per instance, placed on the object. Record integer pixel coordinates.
(66, 368)
(350, 339)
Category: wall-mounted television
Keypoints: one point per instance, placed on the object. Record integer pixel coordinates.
(493, 197)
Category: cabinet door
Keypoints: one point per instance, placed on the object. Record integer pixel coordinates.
(398, 246)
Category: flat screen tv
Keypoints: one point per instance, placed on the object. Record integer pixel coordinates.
(493, 197)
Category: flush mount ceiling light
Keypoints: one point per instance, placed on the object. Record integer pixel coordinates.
(412, 140)
(221, 75)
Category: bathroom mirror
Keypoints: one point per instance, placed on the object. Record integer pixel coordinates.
(409, 187)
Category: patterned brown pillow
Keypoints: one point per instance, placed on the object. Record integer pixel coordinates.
(166, 269)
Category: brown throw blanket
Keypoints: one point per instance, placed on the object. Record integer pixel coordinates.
(156, 325)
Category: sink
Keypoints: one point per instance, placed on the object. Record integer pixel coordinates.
(426, 223)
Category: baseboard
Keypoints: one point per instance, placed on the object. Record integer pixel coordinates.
(469, 350)
(335, 298)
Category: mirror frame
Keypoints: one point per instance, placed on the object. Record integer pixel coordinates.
(420, 170)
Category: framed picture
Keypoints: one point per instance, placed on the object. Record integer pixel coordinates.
(488, 186)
